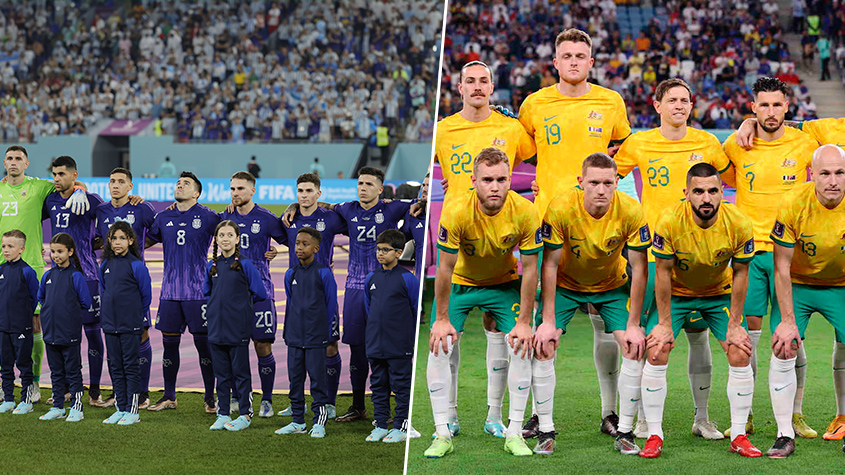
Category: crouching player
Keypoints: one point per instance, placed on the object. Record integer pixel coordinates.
(391, 302)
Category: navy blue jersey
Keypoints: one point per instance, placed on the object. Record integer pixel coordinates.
(185, 237)
(18, 296)
(257, 228)
(139, 216)
(414, 228)
(63, 294)
(126, 293)
(391, 303)
(231, 294)
(364, 227)
(329, 223)
(311, 305)
(80, 227)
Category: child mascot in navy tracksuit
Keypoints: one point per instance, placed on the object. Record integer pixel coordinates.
(232, 285)
(391, 302)
(311, 306)
(63, 295)
(18, 300)
(126, 292)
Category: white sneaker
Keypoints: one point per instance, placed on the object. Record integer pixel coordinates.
(641, 429)
(266, 409)
(707, 429)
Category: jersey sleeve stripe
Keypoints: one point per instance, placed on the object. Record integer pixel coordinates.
(528, 252)
(552, 246)
(446, 249)
(640, 248)
(662, 255)
(743, 259)
(782, 243)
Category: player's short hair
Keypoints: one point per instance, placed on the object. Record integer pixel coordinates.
(63, 161)
(318, 238)
(17, 148)
(667, 84)
(817, 153)
(490, 156)
(598, 160)
(309, 178)
(702, 170)
(574, 35)
(242, 175)
(475, 63)
(394, 237)
(769, 84)
(122, 170)
(376, 172)
(16, 233)
(187, 174)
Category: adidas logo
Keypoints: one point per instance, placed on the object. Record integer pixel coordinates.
(419, 225)
(355, 219)
(2, 277)
(293, 226)
(373, 287)
(53, 208)
(107, 271)
(269, 330)
(294, 282)
(106, 220)
(170, 223)
(49, 281)
(21, 337)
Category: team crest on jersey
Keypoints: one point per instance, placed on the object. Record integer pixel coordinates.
(779, 229)
(787, 163)
(443, 235)
(130, 218)
(696, 157)
(256, 228)
(645, 235)
(658, 242)
(749, 247)
(538, 235)
(593, 115)
(379, 218)
(197, 223)
(321, 226)
(789, 179)
(547, 230)
(497, 142)
(594, 131)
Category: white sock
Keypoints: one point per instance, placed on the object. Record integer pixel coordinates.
(640, 412)
(519, 384)
(654, 397)
(700, 370)
(544, 380)
(740, 395)
(439, 379)
(839, 376)
(497, 374)
(755, 340)
(606, 358)
(629, 392)
(800, 380)
(454, 364)
(782, 392)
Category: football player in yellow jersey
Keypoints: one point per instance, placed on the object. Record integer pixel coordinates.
(478, 233)
(777, 162)
(569, 121)
(697, 245)
(459, 139)
(664, 155)
(824, 131)
(585, 230)
(809, 249)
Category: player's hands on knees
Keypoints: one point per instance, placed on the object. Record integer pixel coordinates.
(135, 200)
(746, 133)
(535, 188)
(660, 337)
(784, 341)
(738, 337)
(546, 340)
(521, 338)
(440, 331)
(633, 342)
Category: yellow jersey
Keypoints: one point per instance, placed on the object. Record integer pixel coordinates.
(763, 174)
(592, 260)
(568, 129)
(485, 244)
(459, 141)
(702, 256)
(816, 233)
(826, 131)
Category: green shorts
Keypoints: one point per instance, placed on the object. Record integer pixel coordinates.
(649, 303)
(713, 312)
(612, 306)
(502, 301)
(761, 285)
(806, 299)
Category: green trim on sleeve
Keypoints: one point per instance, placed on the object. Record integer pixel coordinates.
(446, 249)
(552, 246)
(662, 255)
(743, 259)
(782, 243)
(639, 248)
(528, 252)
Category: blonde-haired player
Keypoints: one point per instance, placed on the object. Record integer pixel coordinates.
(460, 137)
(663, 156)
(569, 121)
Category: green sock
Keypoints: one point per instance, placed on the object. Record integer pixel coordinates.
(37, 356)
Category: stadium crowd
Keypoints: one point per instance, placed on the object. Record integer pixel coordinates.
(227, 70)
(676, 39)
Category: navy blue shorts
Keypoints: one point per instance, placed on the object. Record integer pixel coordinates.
(265, 322)
(175, 315)
(354, 317)
(93, 314)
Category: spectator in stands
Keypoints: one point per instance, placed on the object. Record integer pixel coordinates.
(167, 169)
(318, 169)
(253, 167)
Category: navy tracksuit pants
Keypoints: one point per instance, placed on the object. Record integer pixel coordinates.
(312, 361)
(66, 374)
(124, 354)
(231, 369)
(386, 375)
(16, 350)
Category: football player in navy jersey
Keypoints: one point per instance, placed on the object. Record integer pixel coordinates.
(185, 233)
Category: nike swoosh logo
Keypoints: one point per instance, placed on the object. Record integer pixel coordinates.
(693, 321)
(521, 388)
(613, 372)
(653, 390)
(806, 235)
(838, 369)
(803, 365)
(543, 402)
(655, 160)
(681, 252)
(470, 239)
(499, 369)
(578, 239)
(746, 394)
(546, 119)
(702, 388)
(434, 390)
(635, 400)
(749, 165)
(455, 147)
(783, 387)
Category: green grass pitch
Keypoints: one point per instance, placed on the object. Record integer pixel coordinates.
(582, 449)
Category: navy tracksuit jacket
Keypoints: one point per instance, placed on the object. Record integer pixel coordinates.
(18, 300)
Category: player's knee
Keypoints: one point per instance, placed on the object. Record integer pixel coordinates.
(331, 350)
(488, 322)
(263, 348)
(145, 335)
(754, 323)
(737, 357)
(659, 356)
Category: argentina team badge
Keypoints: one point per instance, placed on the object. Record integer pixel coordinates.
(256, 228)
(197, 222)
(379, 218)
(130, 218)
(321, 226)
